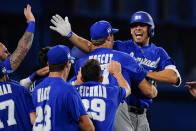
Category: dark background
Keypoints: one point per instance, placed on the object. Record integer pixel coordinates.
(174, 109)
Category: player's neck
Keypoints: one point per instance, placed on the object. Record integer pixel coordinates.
(58, 74)
(146, 43)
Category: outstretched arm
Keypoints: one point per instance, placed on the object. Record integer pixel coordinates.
(25, 42)
(63, 27)
(168, 75)
(115, 69)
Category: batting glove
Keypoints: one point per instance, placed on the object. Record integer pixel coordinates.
(61, 26)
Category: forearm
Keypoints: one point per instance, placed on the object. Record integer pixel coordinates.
(123, 83)
(166, 76)
(23, 47)
(80, 42)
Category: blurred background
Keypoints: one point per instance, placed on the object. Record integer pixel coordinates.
(174, 109)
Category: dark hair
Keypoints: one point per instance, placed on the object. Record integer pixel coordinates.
(91, 70)
(56, 67)
(99, 41)
(42, 56)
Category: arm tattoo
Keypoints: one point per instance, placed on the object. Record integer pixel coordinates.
(23, 47)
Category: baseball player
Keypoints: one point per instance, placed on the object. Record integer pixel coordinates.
(192, 87)
(58, 105)
(17, 112)
(12, 62)
(102, 42)
(101, 101)
(35, 78)
(150, 57)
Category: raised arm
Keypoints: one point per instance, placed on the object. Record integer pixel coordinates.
(25, 42)
(63, 27)
(115, 69)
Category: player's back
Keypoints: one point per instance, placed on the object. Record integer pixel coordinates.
(15, 107)
(51, 96)
(130, 68)
(101, 102)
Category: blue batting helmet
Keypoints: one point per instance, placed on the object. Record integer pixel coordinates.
(143, 17)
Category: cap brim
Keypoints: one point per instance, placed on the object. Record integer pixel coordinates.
(114, 30)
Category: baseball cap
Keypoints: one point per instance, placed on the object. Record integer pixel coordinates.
(59, 54)
(101, 29)
(3, 70)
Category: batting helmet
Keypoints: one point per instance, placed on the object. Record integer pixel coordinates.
(143, 17)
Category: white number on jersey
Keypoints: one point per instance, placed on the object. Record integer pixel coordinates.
(43, 123)
(98, 108)
(11, 120)
(105, 73)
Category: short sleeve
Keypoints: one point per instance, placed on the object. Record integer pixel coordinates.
(121, 94)
(6, 63)
(75, 106)
(165, 60)
(28, 100)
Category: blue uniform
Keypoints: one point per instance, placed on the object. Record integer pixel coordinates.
(58, 105)
(151, 58)
(15, 106)
(7, 65)
(101, 103)
(130, 68)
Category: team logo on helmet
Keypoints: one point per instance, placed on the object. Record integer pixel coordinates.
(109, 30)
(138, 17)
(4, 70)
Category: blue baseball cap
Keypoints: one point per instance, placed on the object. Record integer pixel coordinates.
(101, 29)
(59, 54)
(3, 70)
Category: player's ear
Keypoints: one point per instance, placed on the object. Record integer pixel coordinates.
(101, 79)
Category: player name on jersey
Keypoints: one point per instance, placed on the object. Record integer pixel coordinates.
(5, 89)
(102, 58)
(145, 61)
(43, 94)
(93, 91)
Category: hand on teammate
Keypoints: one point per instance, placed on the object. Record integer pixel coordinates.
(114, 68)
(79, 78)
(28, 14)
(192, 87)
(42, 71)
(61, 26)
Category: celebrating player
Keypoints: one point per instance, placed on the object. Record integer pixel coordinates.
(150, 57)
(58, 105)
(12, 62)
(38, 76)
(102, 42)
(101, 101)
(17, 112)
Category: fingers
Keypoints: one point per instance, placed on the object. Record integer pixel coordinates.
(66, 19)
(53, 28)
(54, 22)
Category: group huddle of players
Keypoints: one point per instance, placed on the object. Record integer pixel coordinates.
(112, 89)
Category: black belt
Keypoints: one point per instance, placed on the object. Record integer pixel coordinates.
(137, 110)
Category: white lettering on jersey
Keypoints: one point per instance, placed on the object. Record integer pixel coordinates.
(5, 89)
(102, 58)
(93, 91)
(43, 94)
(146, 62)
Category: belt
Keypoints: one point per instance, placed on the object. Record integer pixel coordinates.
(137, 110)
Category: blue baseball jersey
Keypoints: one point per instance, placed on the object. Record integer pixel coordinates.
(36, 82)
(58, 105)
(150, 58)
(130, 68)
(15, 106)
(101, 103)
(7, 65)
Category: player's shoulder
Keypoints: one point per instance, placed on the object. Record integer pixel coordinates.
(15, 86)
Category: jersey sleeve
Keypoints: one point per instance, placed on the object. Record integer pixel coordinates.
(121, 94)
(7, 64)
(28, 100)
(75, 106)
(165, 60)
(135, 72)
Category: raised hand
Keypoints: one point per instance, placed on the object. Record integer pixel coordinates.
(61, 26)
(28, 14)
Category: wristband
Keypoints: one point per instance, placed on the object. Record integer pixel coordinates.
(31, 27)
(32, 76)
(69, 35)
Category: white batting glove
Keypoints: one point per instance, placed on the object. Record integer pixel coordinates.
(61, 26)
